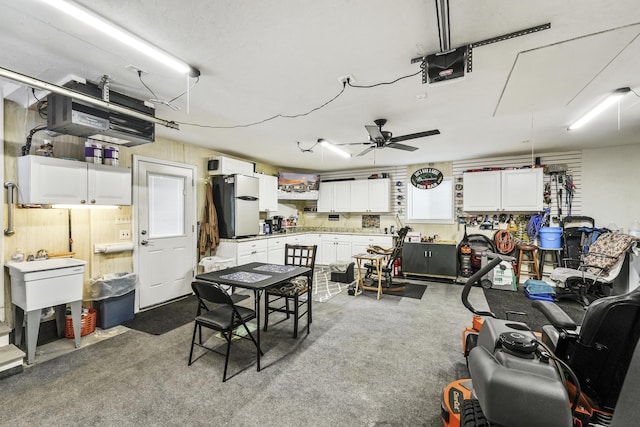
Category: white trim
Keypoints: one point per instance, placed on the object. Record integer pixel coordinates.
(136, 230)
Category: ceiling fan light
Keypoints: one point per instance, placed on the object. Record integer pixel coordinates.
(335, 149)
(603, 105)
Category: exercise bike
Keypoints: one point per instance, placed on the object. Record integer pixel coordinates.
(565, 376)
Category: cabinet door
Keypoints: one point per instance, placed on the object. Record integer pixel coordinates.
(342, 196)
(442, 260)
(360, 195)
(275, 253)
(522, 190)
(325, 197)
(108, 185)
(379, 195)
(482, 191)
(45, 180)
(268, 188)
(329, 252)
(414, 258)
(343, 251)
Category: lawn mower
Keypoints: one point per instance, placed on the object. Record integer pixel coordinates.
(564, 376)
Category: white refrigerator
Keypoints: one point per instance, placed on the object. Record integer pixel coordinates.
(236, 201)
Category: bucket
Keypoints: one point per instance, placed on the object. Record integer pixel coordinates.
(550, 237)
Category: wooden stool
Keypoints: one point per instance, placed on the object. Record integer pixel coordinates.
(532, 252)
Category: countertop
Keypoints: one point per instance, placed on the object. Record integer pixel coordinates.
(314, 230)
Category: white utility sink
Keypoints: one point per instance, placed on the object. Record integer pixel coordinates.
(45, 264)
(46, 283)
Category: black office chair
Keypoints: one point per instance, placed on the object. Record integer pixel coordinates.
(293, 292)
(217, 311)
(600, 350)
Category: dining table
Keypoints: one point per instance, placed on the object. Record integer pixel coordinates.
(255, 276)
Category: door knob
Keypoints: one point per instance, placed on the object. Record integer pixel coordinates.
(144, 242)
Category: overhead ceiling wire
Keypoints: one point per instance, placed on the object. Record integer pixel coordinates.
(275, 116)
(294, 116)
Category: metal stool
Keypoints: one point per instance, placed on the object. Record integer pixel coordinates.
(532, 252)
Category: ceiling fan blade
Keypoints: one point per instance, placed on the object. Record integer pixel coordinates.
(365, 151)
(355, 143)
(415, 135)
(401, 146)
(374, 133)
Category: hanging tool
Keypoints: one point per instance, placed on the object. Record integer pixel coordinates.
(570, 192)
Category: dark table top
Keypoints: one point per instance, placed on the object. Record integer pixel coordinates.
(255, 275)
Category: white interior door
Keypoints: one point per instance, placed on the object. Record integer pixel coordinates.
(165, 229)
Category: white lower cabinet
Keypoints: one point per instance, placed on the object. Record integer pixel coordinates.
(244, 252)
(359, 244)
(275, 250)
(336, 247)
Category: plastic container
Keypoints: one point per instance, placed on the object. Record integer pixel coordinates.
(111, 312)
(550, 237)
(87, 321)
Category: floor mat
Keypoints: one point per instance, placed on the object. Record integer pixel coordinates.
(323, 288)
(502, 301)
(411, 290)
(165, 318)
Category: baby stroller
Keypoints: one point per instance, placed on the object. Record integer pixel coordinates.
(578, 232)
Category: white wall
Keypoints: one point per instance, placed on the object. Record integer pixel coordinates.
(610, 181)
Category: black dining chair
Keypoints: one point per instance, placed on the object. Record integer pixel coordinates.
(217, 311)
(289, 297)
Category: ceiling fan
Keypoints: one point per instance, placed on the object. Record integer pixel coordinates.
(379, 138)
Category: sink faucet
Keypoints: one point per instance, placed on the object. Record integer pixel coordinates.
(42, 254)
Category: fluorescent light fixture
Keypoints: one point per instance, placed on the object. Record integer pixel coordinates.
(334, 148)
(100, 24)
(65, 206)
(606, 103)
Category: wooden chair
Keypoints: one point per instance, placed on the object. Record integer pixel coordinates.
(217, 311)
(279, 298)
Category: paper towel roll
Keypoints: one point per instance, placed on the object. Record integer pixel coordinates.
(110, 248)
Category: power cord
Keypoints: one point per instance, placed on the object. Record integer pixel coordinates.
(284, 116)
(294, 116)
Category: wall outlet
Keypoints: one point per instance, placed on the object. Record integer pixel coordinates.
(123, 219)
(125, 234)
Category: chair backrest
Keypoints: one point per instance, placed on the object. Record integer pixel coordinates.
(397, 249)
(301, 255)
(211, 292)
(608, 336)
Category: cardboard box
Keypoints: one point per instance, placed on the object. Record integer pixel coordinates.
(504, 279)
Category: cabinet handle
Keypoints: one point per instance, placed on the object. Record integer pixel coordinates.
(93, 200)
(425, 254)
(429, 254)
(82, 202)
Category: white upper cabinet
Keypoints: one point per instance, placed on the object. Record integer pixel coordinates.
(379, 195)
(522, 190)
(268, 192)
(47, 180)
(334, 196)
(514, 190)
(363, 195)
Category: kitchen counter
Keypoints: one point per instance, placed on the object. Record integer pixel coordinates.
(314, 230)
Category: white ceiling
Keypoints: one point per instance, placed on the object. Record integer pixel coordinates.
(260, 58)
